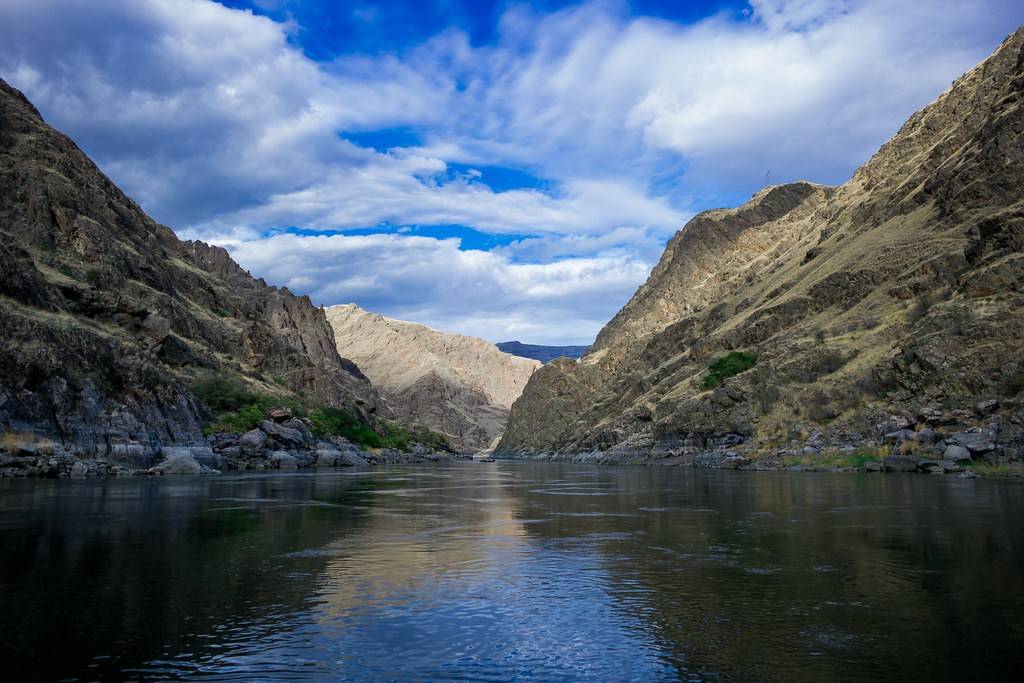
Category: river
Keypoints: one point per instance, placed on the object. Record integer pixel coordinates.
(513, 571)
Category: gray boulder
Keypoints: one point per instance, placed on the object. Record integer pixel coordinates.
(734, 462)
(282, 434)
(177, 461)
(326, 457)
(205, 456)
(283, 460)
(900, 463)
(956, 452)
(253, 442)
(975, 440)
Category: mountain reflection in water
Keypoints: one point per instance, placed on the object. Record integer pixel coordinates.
(513, 570)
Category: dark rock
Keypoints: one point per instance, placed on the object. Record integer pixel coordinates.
(956, 452)
(975, 440)
(253, 442)
(177, 461)
(283, 435)
(899, 463)
(280, 414)
(873, 466)
(986, 408)
(734, 462)
(901, 435)
(283, 460)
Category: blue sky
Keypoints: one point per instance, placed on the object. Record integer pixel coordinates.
(510, 170)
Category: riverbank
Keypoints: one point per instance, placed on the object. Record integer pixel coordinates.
(282, 442)
(782, 462)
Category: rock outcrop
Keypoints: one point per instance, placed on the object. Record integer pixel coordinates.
(885, 315)
(106, 318)
(459, 386)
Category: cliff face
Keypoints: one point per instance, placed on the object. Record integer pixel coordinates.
(459, 386)
(106, 317)
(894, 299)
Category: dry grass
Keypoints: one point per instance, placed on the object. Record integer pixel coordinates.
(11, 441)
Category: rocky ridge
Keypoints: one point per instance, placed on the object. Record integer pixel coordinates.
(882, 318)
(459, 386)
(107, 318)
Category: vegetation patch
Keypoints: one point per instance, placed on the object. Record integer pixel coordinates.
(728, 366)
(837, 460)
(236, 408)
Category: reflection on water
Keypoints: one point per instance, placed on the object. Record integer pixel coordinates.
(508, 570)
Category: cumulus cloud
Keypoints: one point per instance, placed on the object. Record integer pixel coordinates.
(219, 125)
(433, 281)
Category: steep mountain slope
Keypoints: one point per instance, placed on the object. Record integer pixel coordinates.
(542, 353)
(893, 301)
(459, 386)
(106, 318)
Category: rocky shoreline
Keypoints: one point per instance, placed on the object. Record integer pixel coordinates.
(282, 442)
(966, 443)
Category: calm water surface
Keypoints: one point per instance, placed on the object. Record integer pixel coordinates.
(511, 571)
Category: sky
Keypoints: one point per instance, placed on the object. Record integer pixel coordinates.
(509, 170)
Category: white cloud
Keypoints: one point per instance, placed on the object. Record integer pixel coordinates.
(433, 281)
(219, 125)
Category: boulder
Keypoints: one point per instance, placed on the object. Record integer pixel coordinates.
(734, 462)
(975, 440)
(352, 459)
(901, 435)
(79, 470)
(283, 460)
(253, 442)
(327, 457)
(900, 463)
(956, 452)
(926, 435)
(177, 461)
(280, 414)
(205, 456)
(282, 434)
(873, 466)
(986, 408)
(132, 454)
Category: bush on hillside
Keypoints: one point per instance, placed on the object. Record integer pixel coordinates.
(728, 366)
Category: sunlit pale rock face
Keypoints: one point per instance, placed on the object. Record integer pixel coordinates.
(459, 386)
(897, 293)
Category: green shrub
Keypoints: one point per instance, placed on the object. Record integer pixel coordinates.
(222, 393)
(728, 366)
(240, 421)
(331, 421)
(238, 409)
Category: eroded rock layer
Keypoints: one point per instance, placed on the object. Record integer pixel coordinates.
(459, 386)
(884, 314)
(106, 317)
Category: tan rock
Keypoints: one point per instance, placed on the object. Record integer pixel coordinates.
(456, 385)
